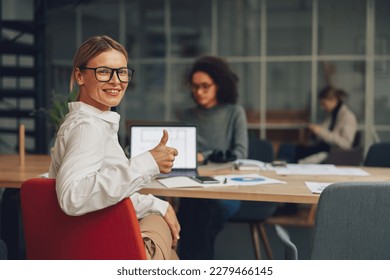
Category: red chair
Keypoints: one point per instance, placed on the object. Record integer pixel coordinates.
(112, 233)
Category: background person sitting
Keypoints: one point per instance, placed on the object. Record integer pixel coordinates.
(338, 129)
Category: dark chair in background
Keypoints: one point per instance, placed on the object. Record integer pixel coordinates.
(352, 223)
(378, 155)
(260, 150)
(252, 212)
(352, 157)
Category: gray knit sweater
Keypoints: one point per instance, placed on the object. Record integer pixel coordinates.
(222, 127)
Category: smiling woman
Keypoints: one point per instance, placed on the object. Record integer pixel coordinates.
(102, 89)
(90, 167)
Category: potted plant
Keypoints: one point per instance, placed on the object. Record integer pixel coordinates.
(57, 111)
(59, 108)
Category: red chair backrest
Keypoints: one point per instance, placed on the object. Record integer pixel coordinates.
(112, 233)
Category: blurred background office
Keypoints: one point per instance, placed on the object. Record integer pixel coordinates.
(283, 51)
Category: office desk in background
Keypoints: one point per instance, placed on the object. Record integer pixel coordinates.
(279, 125)
(294, 191)
(13, 174)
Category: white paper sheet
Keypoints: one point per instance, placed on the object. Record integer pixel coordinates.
(317, 187)
(231, 180)
(320, 169)
(44, 175)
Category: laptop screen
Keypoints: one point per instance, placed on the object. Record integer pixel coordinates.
(181, 137)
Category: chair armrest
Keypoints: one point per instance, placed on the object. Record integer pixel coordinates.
(290, 250)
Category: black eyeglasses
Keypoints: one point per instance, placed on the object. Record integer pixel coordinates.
(202, 86)
(104, 74)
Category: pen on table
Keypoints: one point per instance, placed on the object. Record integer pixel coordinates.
(225, 181)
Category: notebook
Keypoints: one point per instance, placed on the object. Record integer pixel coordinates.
(182, 137)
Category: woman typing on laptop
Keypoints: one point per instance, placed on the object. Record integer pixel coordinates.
(222, 135)
(90, 167)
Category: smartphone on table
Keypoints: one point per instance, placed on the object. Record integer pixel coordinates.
(205, 179)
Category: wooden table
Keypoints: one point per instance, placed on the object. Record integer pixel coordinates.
(294, 191)
(13, 174)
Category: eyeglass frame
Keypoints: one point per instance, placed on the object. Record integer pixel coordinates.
(202, 86)
(112, 72)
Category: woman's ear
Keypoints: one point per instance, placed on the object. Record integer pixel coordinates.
(79, 77)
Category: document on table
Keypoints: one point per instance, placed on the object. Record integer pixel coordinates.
(44, 175)
(317, 187)
(319, 169)
(248, 179)
(225, 181)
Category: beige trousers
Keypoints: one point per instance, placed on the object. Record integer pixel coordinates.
(157, 238)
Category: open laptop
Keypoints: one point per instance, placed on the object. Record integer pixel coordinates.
(183, 137)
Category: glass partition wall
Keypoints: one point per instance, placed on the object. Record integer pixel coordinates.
(284, 52)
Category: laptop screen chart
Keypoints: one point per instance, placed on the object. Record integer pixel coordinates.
(183, 138)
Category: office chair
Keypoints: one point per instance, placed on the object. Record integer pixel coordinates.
(252, 212)
(260, 149)
(110, 233)
(352, 157)
(291, 251)
(352, 223)
(378, 155)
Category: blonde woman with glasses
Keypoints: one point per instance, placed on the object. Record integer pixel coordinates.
(90, 167)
